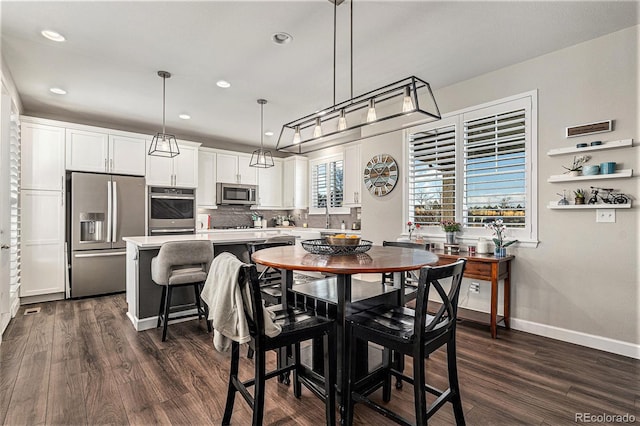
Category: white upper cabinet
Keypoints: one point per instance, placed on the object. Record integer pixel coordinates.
(42, 157)
(127, 155)
(353, 172)
(206, 179)
(90, 151)
(179, 171)
(234, 168)
(295, 183)
(87, 151)
(270, 186)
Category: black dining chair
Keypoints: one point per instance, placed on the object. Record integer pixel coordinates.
(413, 333)
(270, 278)
(297, 326)
(410, 277)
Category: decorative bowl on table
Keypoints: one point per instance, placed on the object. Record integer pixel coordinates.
(343, 240)
(322, 246)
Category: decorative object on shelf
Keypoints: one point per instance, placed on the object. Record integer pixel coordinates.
(450, 228)
(596, 143)
(576, 168)
(499, 230)
(580, 194)
(590, 170)
(398, 104)
(609, 198)
(320, 246)
(164, 144)
(483, 245)
(581, 145)
(381, 175)
(563, 201)
(452, 248)
(608, 168)
(412, 227)
(261, 158)
(590, 128)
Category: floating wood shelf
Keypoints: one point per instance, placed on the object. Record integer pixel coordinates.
(625, 173)
(605, 145)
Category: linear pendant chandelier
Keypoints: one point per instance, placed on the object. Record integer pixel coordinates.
(164, 144)
(393, 107)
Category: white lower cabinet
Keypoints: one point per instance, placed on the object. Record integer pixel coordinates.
(270, 186)
(42, 244)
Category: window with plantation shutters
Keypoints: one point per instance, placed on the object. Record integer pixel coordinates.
(476, 166)
(495, 169)
(327, 185)
(432, 175)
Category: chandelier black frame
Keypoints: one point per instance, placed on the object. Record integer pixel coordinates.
(164, 144)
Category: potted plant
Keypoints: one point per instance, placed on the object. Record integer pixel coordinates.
(576, 168)
(450, 228)
(499, 230)
(412, 227)
(580, 194)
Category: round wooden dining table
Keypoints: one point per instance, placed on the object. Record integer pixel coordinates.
(378, 259)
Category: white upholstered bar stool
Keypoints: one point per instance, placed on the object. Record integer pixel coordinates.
(179, 264)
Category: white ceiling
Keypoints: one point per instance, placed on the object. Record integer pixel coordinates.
(113, 51)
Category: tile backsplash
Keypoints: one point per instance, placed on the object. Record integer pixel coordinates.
(231, 216)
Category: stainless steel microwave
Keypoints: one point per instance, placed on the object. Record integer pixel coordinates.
(236, 194)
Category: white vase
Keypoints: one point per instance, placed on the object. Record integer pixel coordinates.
(450, 237)
(575, 173)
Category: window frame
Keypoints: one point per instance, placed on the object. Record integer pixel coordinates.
(326, 160)
(528, 236)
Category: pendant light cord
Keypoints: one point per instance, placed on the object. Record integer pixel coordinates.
(164, 84)
(335, 20)
(351, 47)
(262, 127)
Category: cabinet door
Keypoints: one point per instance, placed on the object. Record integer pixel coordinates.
(42, 244)
(270, 186)
(352, 176)
(206, 180)
(248, 174)
(42, 150)
(159, 170)
(226, 168)
(288, 183)
(127, 155)
(87, 151)
(185, 167)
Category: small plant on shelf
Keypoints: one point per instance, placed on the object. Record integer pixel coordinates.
(578, 161)
(450, 226)
(412, 227)
(580, 195)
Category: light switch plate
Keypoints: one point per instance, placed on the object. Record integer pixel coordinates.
(606, 215)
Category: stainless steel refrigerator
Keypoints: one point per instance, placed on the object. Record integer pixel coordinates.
(103, 209)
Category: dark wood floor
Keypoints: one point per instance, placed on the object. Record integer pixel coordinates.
(81, 362)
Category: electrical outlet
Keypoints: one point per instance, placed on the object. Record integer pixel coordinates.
(606, 215)
(474, 287)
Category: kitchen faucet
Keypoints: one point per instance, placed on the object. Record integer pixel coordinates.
(326, 215)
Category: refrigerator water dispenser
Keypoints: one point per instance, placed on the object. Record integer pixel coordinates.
(91, 227)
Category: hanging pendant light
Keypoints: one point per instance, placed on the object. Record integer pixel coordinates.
(163, 144)
(261, 158)
(402, 104)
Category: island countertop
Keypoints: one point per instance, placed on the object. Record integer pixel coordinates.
(155, 241)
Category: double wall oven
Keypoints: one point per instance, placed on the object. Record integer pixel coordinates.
(172, 211)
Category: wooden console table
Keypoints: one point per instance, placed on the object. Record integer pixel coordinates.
(485, 267)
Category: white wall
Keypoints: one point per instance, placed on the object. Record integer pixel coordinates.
(582, 282)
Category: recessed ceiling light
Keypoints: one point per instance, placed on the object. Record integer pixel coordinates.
(268, 133)
(185, 116)
(281, 38)
(223, 83)
(58, 91)
(52, 35)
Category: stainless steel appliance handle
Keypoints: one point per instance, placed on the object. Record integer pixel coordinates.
(115, 213)
(164, 231)
(84, 255)
(174, 197)
(109, 205)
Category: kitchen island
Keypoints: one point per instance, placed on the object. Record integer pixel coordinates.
(143, 295)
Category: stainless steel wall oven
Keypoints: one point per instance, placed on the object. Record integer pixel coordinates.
(172, 211)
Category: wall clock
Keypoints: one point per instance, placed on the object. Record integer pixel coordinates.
(381, 175)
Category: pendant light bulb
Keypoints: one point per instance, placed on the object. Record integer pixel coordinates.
(296, 136)
(371, 114)
(342, 121)
(407, 102)
(317, 131)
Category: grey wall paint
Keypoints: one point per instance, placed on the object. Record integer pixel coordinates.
(583, 276)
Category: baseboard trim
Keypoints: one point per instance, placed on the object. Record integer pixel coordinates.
(41, 298)
(151, 322)
(583, 339)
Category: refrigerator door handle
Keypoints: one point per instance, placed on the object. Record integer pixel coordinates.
(84, 255)
(115, 213)
(109, 206)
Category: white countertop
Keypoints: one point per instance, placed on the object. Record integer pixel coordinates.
(279, 230)
(151, 242)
